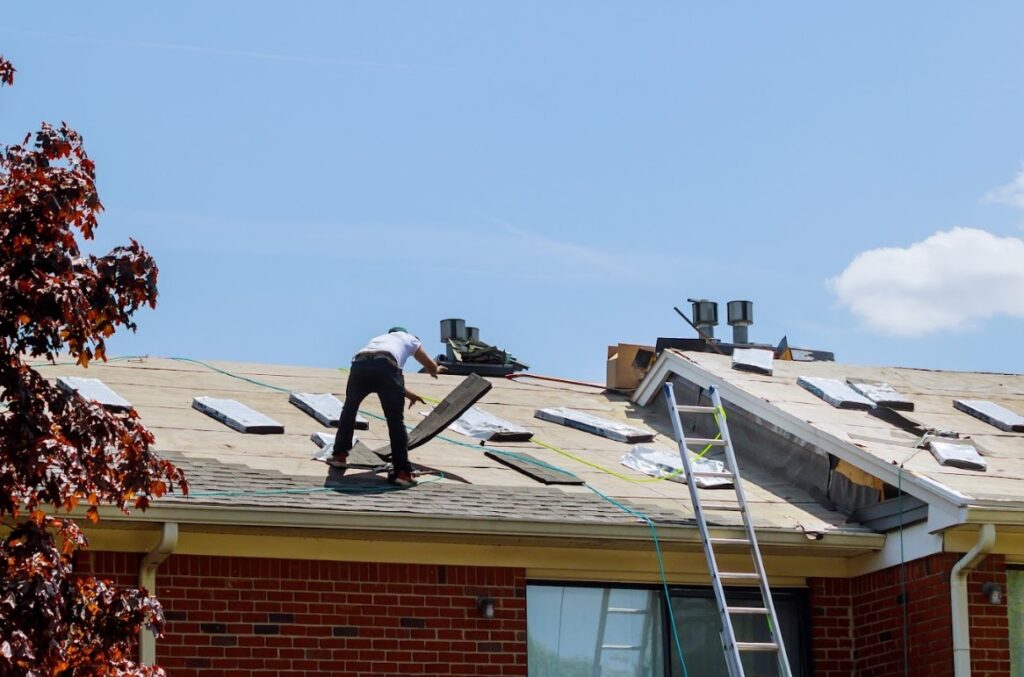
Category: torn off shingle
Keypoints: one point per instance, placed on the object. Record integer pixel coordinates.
(237, 416)
(533, 468)
(960, 454)
(835, 392)
(993, 414)
(613, 430)
(753, 359)
(325, 408)
(94, 389)
(881, 393)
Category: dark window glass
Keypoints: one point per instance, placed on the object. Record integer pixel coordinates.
(699, 630)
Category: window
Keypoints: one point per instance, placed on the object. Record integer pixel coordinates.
(699, 626)
(577, 631)
(587, 631)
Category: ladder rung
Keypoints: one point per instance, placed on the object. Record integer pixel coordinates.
(726, 507)
(704, 442)
(738, 576)
(711, 473)
(748, 610)
(757, 646)
(694, 409)
(729, 541)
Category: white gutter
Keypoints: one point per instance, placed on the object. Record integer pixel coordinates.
(958, 594)
(147, 580)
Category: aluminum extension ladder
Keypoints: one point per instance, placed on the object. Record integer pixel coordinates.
(732, 647)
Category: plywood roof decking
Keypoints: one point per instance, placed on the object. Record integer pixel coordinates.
(932, 392)
(162, 390)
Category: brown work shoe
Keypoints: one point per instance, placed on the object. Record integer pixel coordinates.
(338, 460)
(402, 478)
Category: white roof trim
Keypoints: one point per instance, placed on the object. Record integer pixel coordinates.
(672, 362)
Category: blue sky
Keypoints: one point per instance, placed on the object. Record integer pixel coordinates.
(559, 174)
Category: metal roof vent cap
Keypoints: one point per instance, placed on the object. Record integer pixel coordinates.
(453, 328)
(741, 316)
(705, 316)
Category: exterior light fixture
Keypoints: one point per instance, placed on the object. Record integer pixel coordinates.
(993, 592)
(485, 605)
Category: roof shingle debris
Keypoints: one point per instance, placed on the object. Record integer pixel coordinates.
(881, 393)
(236, 415)
(94, 389)
(620, 432)
(325, 408)
(835, 392)
(993, 414)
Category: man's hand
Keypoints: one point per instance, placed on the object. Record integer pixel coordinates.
(413, 398)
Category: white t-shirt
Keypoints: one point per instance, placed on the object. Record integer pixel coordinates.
(398, 343)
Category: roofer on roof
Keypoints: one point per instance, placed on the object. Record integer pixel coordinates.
(377, 368)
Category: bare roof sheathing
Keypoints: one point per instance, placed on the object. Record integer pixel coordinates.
(162, 391)
(931, 391)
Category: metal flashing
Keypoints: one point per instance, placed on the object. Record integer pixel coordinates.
(481, 425)
(993, 414)
(531, 467)
(890, 514)
(325, 408)
(881, 393)
(835, 392)
(753, 359)
(237, 416)
(620, 432)
(94, 389)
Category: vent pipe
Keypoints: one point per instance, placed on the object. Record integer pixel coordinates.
(741, 316)
(453, 328)
(705, 316)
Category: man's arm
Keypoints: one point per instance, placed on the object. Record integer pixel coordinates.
(421, 356)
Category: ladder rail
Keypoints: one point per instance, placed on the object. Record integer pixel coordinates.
(755, 549)
(728, 635)
(730, 645)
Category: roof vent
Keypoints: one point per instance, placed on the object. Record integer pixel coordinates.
(705, 316)
(741, 316)
(465, 353)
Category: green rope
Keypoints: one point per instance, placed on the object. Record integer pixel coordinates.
(661, 568)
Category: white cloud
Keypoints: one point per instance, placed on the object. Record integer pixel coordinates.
(949, 281)
(1011, 194)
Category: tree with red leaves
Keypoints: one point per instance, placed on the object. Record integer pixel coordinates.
(57, 450)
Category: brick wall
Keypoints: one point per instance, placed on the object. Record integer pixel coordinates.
(858, 624)
(255, 617)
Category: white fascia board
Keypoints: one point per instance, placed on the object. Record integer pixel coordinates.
(921, 487)
(917, 541)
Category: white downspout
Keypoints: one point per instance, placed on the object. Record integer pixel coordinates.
(958, 592)
(147, 580)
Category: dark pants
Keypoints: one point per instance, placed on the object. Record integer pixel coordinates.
(377, 375)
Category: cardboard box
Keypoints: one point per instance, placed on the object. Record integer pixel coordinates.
(622, 372)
